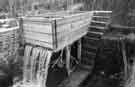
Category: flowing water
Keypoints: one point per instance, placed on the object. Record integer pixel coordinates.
(36, 65)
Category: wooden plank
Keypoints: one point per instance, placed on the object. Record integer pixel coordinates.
(98, 27)
(2, 30)
(62, 44)
(102, 11)
(97, 33)
(37, 19)
(54, 35)
(102, 18)
(90, 34)
(91, 38)
(64, 28)
(80, 23)
(37, 27)
(68, 59)
(105, 17)
(64, 31)
(79, 49)
(100, 22)
(72, 26)
(38, 36)
(39, 43)
(71, 37)
(82, 27)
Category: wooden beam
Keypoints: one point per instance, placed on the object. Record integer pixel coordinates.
(68, 55)
(124, 59)
(79, 49)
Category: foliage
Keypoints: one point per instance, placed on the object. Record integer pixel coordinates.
(57, 4)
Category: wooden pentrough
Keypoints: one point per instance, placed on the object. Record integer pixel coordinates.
(9, 33)
(55, 31)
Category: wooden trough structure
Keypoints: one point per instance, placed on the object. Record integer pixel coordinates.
(55, 31)
(50, 32)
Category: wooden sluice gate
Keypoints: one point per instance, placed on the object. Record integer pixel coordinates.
(44, 35)
(55, 31)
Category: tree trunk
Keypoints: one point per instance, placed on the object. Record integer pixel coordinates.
(131, 80)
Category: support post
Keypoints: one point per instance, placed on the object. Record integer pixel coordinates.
(124, 59)
(68, 50)
(79, 50)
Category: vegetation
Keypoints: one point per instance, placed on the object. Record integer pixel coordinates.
(56, 4)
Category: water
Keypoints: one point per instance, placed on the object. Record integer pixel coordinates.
(35, 68)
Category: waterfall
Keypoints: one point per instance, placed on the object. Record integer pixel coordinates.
(36, 65)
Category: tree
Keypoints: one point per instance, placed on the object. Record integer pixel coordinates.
(121, 10)
(4, 5)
